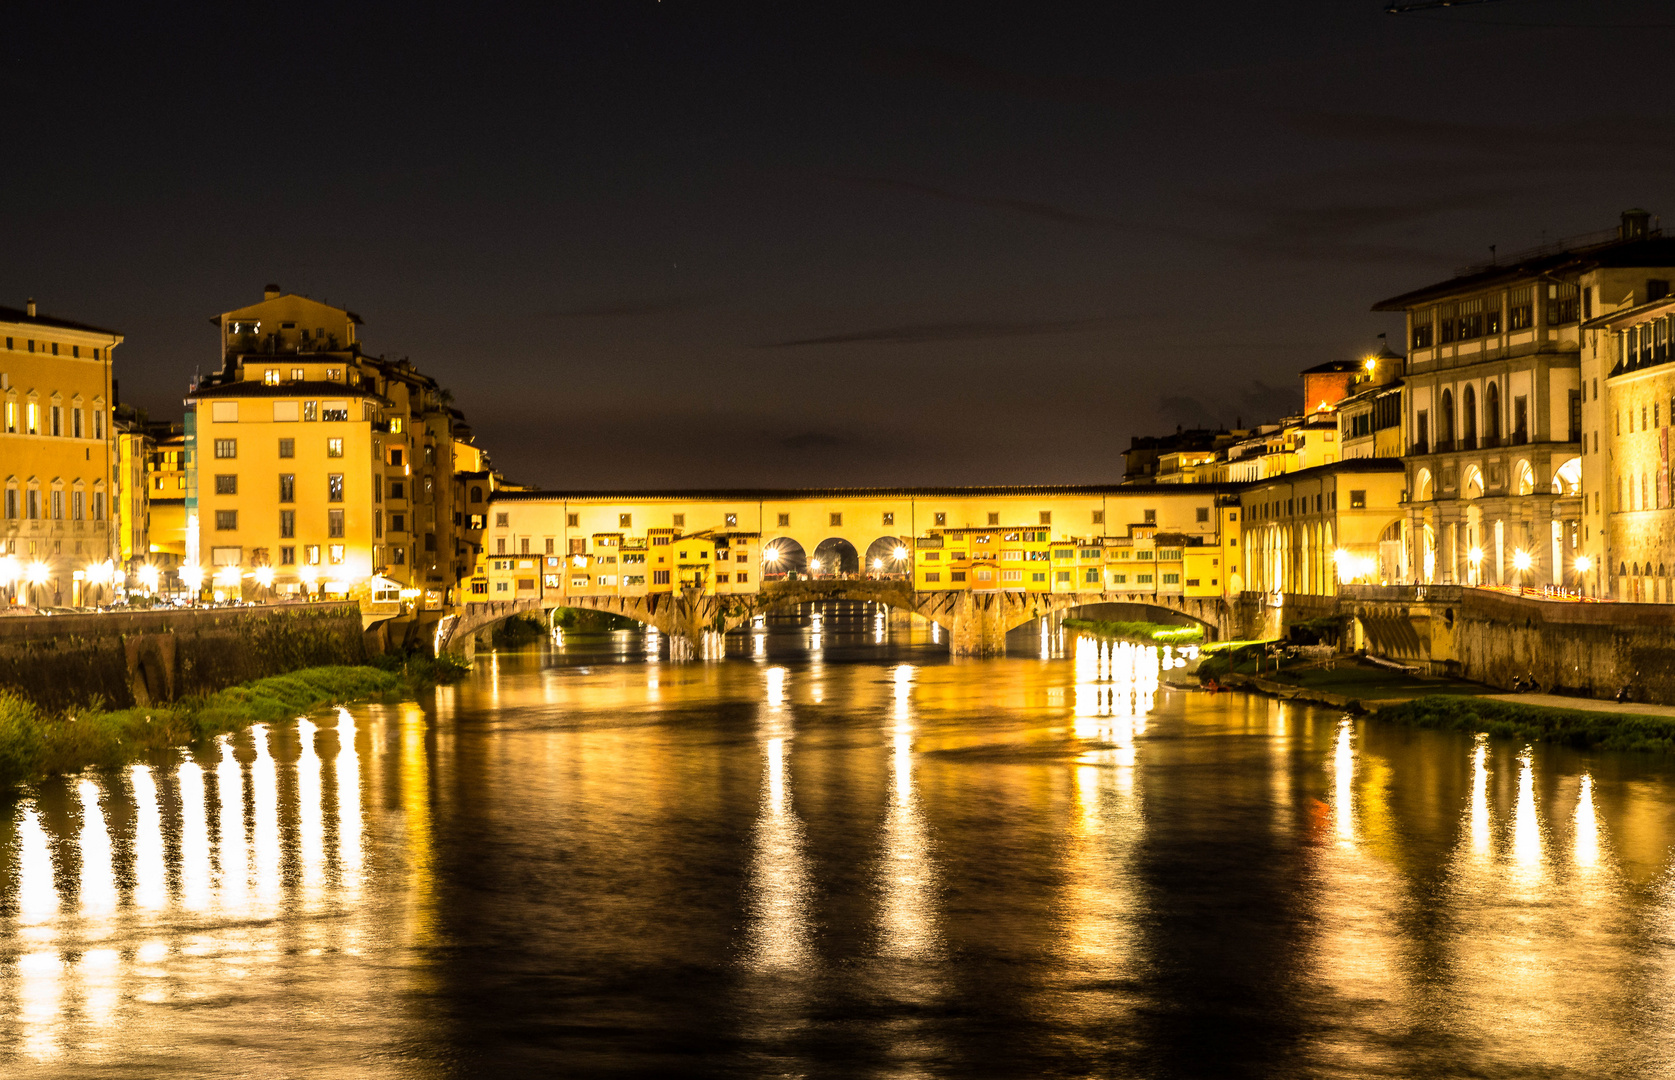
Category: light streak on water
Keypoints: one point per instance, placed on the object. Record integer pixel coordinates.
(196, 884)
(150, 875)
(98, 876)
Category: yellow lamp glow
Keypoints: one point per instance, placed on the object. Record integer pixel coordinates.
(1584, 564)
(1474, 556)
(878, 564)
(900, 552)
(192, 575)
(148, 577)
(1521, 560)
(8, 570)
(39, 572)
(264, 576)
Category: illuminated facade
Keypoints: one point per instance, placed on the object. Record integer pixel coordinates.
(57, 459)
(317, 465)
(1494, 409)
(1308, 531)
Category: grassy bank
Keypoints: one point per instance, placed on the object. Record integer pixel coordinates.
(35, 742)
(1148, 632)
(1579, 728)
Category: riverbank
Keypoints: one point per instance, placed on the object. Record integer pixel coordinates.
(1146, 632)
(36, 742)
(1582, 728)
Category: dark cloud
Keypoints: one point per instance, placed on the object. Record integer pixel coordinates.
(629, 309)
(1027, 207)
(921, 333)
(817, 440)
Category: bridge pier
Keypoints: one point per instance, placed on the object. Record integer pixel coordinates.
(979, 625)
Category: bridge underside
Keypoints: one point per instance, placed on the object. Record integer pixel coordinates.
(977, 622)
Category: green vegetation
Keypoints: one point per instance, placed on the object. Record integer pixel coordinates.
(36, 743)
(520, 630)
(1537, 723)
(582, 621)
(1150, 632)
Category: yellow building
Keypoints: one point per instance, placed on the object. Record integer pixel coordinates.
(57, 456)
(318, 466)
(1308, 531)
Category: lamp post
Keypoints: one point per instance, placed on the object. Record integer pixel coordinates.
(1475, 558)
(1583, 564)
(192, 576)
(1521, 562)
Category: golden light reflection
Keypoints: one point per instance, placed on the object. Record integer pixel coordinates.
(1587, 829)
(233, 883)
(907, 915)
(98, 877)
(1343, 776)
(37, 894)
(195, 882)
(1526, 828)
(40, 998)
(1479, 812)
(98, 973)
(779, 931)
(150, 875)
(416, 811)
(264, 784)
(348, 770)
(311, 812)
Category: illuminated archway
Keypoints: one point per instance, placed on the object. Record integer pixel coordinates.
(1523, 478)
(1567, 478)
(783, 555)
(834, 555)
(1471, 485)
(887, 555)
(1422, 486)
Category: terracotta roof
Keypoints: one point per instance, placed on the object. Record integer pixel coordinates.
(20, 315)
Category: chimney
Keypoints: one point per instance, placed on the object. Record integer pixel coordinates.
(272, 292)
(1635, 224)
(30, 307)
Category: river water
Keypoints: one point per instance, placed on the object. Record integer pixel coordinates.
(838, 853)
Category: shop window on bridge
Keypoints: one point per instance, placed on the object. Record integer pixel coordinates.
(1119, 579)
(933, 575)
(1171, 579)
(660, 577)
(1092, 577)
(994, 519)
(479, 588)
(889, 519)
(957, 575)
(785, 521)
(730, 520)
(837, 521)
(1357, 499)
(552, 581)
(1099, 517)
(1143, 579)
(940, 519)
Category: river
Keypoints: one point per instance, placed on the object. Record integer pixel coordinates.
(839, 853)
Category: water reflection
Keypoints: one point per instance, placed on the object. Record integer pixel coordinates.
(852, 864)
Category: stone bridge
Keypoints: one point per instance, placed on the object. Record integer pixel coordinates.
(977, 622)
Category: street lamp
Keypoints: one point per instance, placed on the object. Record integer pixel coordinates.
(192, 576)
(1583, 564)
(814, 566)
(1522, 562)
(148, 577)
(1475, 557)
(39, 573)
(8, 571)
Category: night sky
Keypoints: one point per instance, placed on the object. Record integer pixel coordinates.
(704, 244)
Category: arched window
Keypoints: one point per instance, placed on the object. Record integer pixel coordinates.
(1468, 419)
(1491, 415)
(1472, 487)
(1422, 485)
(1445, 422)
(476, 494)
(1523, 478)
(1567, 478)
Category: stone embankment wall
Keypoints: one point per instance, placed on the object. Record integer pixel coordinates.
(144, 657)
(1586, 649)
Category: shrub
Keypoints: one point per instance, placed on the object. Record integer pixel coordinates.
(21, 746)
(1537, 723)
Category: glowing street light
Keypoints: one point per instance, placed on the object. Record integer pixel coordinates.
(39, 572)
(900, 552)
(1584, 564)
(878, 564)
(192, 576)
(8, 569)
(148, 576)
(264, 576)
(814, 565)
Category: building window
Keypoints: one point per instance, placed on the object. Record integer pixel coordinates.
(1421, 328)
(730, 520)
(940, 519)
(334, 523)
(624, 521)
(311, 410)
(1151, 517)
(33, 502)
(226, 448)
(287, 448)
(334, 447)
(311, 554)
(334, 410)
(1203, 513)
(287, 523)
(226, 520)
(270, 377)
(334, 487)
(287, 487)
(76, 505)
(58, 506)
(837, 521)
(501, 520)
(287, 555)
(572, 521)
(226, 483)
(994, 519)
(1099, 517)
(784, 521)
(660, 577)
(98, 506)
(335, 553)
(1520, 313)
(398, 555)
(11, 503)
(1171, 579)
(75, 423)
(1563, 303)
(680, 521)
(1357, 499)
